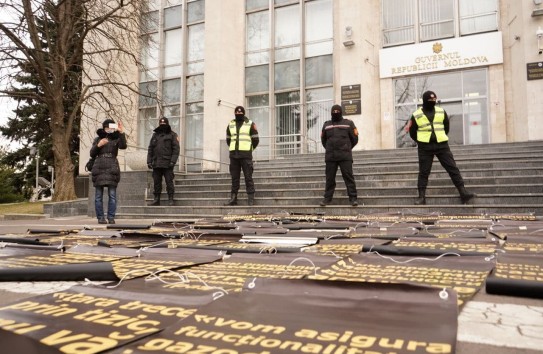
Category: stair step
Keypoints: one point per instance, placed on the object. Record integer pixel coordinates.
(507, 178)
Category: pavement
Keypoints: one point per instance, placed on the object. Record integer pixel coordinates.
(487, 324)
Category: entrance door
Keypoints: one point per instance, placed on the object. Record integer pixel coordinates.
(456, 121)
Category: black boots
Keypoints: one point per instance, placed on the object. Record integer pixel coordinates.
(170, 200)
(233, 200)
(353, 201)
(156, 201)
(421, 200)
(465, 196)
(325, 202)
(251, 199)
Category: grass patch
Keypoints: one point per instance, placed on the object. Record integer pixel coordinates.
(22, 208)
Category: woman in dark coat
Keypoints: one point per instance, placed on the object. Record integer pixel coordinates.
(106, 171)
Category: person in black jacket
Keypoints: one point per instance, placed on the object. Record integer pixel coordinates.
(428, 127)
(106, 171)
(339, 136)
(162, 156)
(242, 139)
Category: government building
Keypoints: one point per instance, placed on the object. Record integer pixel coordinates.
(288, 61)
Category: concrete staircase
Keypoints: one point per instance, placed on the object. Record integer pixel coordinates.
(507, 178)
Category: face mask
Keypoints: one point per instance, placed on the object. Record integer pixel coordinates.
(239, 116)
(336, 116)
(109, 130)
(429, 104)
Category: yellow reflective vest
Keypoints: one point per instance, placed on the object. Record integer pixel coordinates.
(245, 142)
(425, 128)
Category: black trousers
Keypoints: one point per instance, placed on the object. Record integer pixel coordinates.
(168, 175)
(236, 165)
(445, 157)
(346, 168)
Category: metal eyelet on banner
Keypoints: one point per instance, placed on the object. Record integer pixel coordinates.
(443, 294)
(252, 284)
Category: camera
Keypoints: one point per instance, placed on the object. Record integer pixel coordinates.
(113, 126)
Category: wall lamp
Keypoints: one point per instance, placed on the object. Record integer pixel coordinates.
(348, 34)
(539, 34)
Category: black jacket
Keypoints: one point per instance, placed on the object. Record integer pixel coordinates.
(339, 138)
(106, 171)
(164, 148)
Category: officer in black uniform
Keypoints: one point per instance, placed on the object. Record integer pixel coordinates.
(162, 156)
(339, 136)
(429, 127)
(242, 139)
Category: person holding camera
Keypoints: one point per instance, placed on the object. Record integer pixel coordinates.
(162, 156)
(106, 171)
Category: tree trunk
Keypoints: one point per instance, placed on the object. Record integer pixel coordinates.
(64, 167)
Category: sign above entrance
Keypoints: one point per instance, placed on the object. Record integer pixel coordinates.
(442, 55)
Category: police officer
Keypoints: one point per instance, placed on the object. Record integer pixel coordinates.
(429, 127)
(339, 136)
(242, 139)
(162, 156)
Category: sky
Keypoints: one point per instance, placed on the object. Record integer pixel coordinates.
(7, 105)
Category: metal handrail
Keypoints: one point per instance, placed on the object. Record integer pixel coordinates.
(185, 158)
(304, 144)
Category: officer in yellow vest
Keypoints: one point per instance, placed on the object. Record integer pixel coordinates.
(429, 127)
(242, 139)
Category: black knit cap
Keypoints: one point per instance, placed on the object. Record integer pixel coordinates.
(107, 122)
(164, 120)
(427, 95)
(239, 109)
(336, 107)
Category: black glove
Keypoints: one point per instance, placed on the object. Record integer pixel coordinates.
(172, 164)
(150, 166)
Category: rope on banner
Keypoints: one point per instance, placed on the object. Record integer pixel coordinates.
(332, 236)
(332, 253)
(415, 258)
(302, 259)
(184, 279)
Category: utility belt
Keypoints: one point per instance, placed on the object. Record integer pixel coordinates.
(106, 155)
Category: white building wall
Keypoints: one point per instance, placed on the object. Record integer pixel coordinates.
(358, 64)
(224, 76)
(514, 103)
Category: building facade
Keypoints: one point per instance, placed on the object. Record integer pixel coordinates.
(289, 61)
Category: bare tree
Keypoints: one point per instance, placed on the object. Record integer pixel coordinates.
(84, 54)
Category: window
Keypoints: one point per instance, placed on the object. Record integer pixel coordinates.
(299, 80)
(478, 16)
(436, 19)
(165, 53)
(411, 21)
(398, 21)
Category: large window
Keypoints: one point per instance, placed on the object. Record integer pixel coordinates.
(298, 80)
(411, 21)
(164, 90)
(463, 95)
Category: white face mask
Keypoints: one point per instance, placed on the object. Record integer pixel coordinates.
(109, 130)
